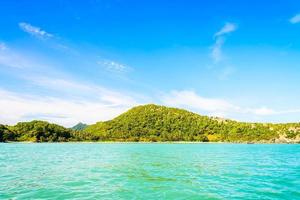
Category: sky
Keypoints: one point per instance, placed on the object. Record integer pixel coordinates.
(69, 61)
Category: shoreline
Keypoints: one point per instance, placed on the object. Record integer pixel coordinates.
(167, 142)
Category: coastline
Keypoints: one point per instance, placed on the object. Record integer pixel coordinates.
(142, 142)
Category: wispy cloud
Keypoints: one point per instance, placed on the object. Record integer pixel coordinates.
(216, 53)
(227, 28)
(17, 107)
(265, 111)
(56, 96)
(216, 107)
(34, 30)
(67, 101)
(12, 59)
(295, 19)
(191, 100)
(113, 66)
(83, 90)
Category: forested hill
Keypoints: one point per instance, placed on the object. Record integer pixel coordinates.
(155, 123)
(160, 123)
(35, 131)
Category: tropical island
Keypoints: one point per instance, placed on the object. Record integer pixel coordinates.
(154, 123)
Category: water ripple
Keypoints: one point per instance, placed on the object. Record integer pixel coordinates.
(149, 171)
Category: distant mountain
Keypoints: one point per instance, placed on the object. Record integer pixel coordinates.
(79, 127)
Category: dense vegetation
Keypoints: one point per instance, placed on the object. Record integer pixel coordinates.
(6, 134)
(154, 123)
(160, 123)
(35, 131)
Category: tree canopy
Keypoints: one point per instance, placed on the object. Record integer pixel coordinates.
(159, 123)
(35, 131)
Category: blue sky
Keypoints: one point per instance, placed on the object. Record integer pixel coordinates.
(69, 61)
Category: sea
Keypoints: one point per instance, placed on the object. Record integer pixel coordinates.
(149, 171)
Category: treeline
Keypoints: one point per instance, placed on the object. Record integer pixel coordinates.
(154, 123)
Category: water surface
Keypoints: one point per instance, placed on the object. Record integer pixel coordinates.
(149, 171)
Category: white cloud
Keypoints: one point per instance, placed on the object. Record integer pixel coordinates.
(216, 107)
(35, 31)
(67, 102)
(191, 100)
(263, 111)
(216, 52)
(267, 111)
(295, 19)
(55, 96)
(227, 28)
(16, 107)
(113, 66)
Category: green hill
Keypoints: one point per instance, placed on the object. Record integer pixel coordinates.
(155, 123)
(160, 123)
(35, 131)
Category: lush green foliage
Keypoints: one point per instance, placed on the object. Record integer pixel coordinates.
(160, 123)
(35, 131)
(6, 134)
(153, 123)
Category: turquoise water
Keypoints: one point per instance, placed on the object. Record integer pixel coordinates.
(149, 171)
